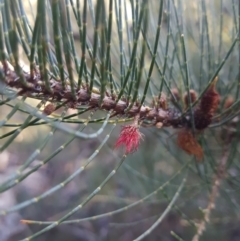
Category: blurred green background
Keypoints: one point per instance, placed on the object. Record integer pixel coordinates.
(210, 29)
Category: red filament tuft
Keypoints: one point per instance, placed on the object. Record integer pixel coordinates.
(130, 137)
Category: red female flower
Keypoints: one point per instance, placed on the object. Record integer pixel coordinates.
(130, 138)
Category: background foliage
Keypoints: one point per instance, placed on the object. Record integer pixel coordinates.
(64, 166)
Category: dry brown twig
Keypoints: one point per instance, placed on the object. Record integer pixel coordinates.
(220, 175)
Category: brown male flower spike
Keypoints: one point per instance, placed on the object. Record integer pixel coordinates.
(203, 114)
(207, 107)
(187, 142)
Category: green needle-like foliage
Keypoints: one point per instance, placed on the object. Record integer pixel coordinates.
(79, 79)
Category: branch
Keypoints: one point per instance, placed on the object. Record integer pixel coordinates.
(36, 88)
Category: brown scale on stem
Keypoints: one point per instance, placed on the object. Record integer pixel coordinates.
(49, 109)
(228, 102)
(193, 96)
